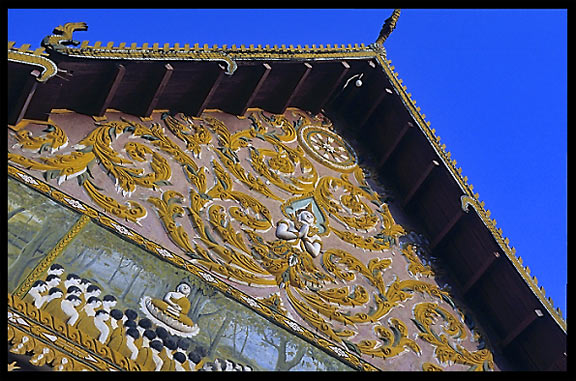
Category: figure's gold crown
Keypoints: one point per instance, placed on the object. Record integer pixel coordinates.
(308, 208)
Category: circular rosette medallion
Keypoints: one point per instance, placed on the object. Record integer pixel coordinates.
(327, 148)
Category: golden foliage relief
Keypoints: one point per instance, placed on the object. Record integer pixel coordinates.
(277, 206)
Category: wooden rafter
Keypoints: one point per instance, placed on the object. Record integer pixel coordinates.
(331, 88)
(157, 90)
(442, 234)
(419, 182)
(261, 79)
(301, 79)
(480, 272)
(20, 104)
(110, 91)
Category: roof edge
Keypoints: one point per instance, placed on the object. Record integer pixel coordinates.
(469, 198)
(36, 57)
(62, 42)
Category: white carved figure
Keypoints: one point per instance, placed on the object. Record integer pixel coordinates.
(68, 307)
(72, 280)
(36, 293)
(100, 323)
(52, 280)
(53, 300)
(302, 231)
(157, 346)
(132, 335)
(109, 302)
(56, 269)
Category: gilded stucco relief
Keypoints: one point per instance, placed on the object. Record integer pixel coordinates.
(275, 206)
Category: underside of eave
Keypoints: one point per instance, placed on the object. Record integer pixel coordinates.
(431, 189)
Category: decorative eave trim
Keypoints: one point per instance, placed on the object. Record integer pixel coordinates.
(469, 198)
(227, 55)
(62, 43)
(36, 57)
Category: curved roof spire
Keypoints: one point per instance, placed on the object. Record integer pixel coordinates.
(388, 27)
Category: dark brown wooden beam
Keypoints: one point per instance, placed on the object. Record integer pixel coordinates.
(332, 88)
(480, 272)
(356, 89)
(157, 90)
(47, 97)
(195, 101)
(418, 184)
(521, 327)
(19, 105)
(372, 108)
(384, 158)
(559, 364)
(265, 71)
(210, 93)
(446, 229)
(299, 82)
(110, 91)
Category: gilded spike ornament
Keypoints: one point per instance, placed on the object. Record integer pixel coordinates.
(388, 27)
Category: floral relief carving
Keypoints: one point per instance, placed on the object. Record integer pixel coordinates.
(277, 206)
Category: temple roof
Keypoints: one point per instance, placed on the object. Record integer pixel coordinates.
(357, 87)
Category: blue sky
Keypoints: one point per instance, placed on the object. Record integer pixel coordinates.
(493, 84)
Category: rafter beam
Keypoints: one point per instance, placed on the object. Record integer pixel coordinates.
(521, 327)
(559, 363)
(353, 88)
(332, 89)
(384, 158)
(18, 108)
(480, 272)
(372, 108)
(418, 184)
(446, 229)
(265, 71)
(110, 91)
(297, 86)
(158, 89)
(210, 93)
(196, 100)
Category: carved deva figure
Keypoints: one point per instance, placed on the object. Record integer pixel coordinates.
(171, 312)
(302, 231)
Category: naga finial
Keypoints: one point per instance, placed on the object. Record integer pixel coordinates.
(62, 35)
(388, 27)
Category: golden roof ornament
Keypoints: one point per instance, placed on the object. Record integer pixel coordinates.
(62, 35)
(388, 27)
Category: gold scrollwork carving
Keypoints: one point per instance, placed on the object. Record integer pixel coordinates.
(392, 341)
(223, 220)
(425, 316)
(54, 138)
(415, 266)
